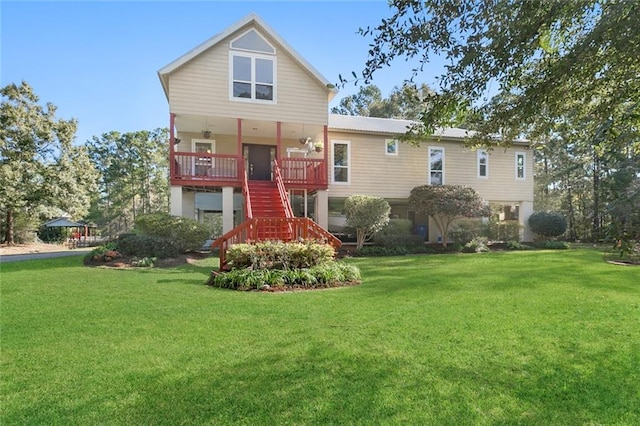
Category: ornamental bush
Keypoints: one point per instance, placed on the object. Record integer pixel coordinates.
(367, 214)
(548, 224)
(333, 274)
(397, 233)
(185, 234)
(279, 255)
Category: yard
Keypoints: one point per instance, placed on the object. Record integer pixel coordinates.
(543, 337)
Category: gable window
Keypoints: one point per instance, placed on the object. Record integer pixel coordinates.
(253, 64)
(436, 165)
(341, 161)
(483, 163)
(520, 165)
(391, 147)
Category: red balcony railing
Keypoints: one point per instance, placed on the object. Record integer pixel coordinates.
(303, 173)
(193, 167)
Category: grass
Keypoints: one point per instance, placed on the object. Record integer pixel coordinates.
(541, 337)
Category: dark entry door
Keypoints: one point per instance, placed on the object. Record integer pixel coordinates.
(259, 158)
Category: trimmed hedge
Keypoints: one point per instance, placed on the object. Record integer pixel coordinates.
(548, 224)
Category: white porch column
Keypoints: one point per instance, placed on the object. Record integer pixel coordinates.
(175, 201)
(322, 208)
(227, 209)
(525, 210)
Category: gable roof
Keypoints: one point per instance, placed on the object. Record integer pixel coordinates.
(251, 19)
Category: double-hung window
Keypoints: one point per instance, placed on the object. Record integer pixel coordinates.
(341, 161)
(521, 165)
(483, 163)
(252, 68)
(436, 165)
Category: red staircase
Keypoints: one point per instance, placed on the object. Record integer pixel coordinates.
(265, 199)
(269, 217)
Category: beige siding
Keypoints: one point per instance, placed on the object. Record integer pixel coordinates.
(201, 87)
(392, 177)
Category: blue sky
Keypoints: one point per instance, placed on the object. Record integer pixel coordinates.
(97, 61)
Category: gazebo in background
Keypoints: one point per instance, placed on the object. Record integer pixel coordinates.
(75, 233)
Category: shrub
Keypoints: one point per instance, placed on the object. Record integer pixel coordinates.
(397, 233)
(515, 245)
(477, 245)
(548, 224)
(395, 240)
(104, 253)
(466, 230)
(391, 251)
(144, 262)
(148, 246)
(186, 234)
(367, 214)
(331, 274)
(554, 245)
(279, 255)
(503, 231)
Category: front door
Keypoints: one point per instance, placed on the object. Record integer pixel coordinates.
(259, 158)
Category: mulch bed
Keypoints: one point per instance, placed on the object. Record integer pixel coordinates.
(124, 262)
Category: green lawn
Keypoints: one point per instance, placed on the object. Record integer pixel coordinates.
(502, 338)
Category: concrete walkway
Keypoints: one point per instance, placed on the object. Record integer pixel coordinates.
(6, 258)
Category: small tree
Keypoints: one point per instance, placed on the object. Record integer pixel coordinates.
(446, 203)
(367, 215)
(548, 224)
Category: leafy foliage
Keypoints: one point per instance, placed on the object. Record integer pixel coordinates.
(367, 214)
(548, 224)
(397, 233)
(184, 233)
(403, 102)
(329, 274)
(446, 203)
(41, 173)
(548, 59)
(554, 245)
(133, 177)
(477, 245)
(148, 246)
(279, 255)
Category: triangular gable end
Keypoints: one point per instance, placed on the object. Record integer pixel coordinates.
(252, 41)
(254, 19)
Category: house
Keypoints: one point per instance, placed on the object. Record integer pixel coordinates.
(250, 137)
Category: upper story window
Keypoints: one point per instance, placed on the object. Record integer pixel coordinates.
(521, 165)
(252, 63)
(341, 161)
(391, 147)
(483, 163)
(436, 165)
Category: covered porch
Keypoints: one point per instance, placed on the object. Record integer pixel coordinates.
(216, 151)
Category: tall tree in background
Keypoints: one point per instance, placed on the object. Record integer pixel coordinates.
(133, 176)
(41, 172)
(404, 102)
(541, 55)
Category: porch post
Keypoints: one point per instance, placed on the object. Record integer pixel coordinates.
(322, 208)
(239, 137)
(175, 201)
(278, 140)
(326, 155)
(525, 209)
(227, 209)
(172, 139)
